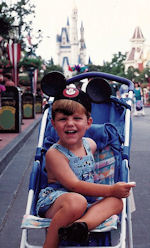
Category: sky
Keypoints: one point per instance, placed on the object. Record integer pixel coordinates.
(108, 25)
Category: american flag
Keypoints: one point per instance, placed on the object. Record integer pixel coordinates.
(14, 53)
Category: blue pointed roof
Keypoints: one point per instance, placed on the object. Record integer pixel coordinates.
(65, 60)
(64, 30)
(90, 62)
(58, 38)
(68, 22)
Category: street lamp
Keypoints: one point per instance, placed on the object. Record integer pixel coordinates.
(15, 33)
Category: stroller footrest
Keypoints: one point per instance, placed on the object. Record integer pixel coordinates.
(31, 221)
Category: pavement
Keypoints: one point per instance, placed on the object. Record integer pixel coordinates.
(10, 143)
(17, 152)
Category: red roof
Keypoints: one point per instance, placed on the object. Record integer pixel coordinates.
(137, 35)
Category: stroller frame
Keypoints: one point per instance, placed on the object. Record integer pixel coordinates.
(126, 222)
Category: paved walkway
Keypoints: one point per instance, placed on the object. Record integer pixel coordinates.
(11, 142)
(14, 183)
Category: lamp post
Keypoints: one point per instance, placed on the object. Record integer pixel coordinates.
(14, 33)
(31, 75)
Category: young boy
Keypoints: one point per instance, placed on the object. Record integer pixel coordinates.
(71, 199)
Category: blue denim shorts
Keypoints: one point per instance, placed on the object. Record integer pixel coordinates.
(48, 196)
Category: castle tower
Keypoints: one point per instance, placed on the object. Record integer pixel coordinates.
(74, 37)
(70, 50)
(135, 55)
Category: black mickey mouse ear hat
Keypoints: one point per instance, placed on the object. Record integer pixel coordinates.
(74, 94)
(99, 90)
(54, 84)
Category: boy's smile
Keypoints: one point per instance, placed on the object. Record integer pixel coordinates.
(70, 132)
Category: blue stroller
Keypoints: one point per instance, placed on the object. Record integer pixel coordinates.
(111, 130)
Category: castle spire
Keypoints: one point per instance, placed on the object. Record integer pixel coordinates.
(68, 21)
(82, 42)
(74, 37)
(138, 35)
(82, 45)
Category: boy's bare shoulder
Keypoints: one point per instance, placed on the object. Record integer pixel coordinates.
(53, 158)
(92, 144)
(52, 151)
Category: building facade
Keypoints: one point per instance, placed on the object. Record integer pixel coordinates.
(71, 49)
(139, 55)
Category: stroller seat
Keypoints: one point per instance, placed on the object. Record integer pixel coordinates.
(104, 174)
(111, 131)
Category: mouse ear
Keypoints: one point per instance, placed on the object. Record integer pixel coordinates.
(99, 90)
(53, 83)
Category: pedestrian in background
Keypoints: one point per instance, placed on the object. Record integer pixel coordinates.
(138, 100)
(123, 91)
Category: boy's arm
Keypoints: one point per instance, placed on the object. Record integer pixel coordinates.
(57, 165)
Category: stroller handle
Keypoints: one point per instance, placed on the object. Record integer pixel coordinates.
(103, 75)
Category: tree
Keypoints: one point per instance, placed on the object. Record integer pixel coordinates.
(6, 21)
(115, 66)
(28, 62)
(143, 77)
(5, 27)
(92, 67)
(132, 73)
(20, 11)
(17, 16)
(51, 67)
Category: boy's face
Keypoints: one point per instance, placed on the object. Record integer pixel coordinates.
(71, 128)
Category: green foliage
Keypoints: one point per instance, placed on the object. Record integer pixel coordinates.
(92, 67)
(28, 62)
(5, 27)
(17, 16)
(116, 66)
(137, 76)
(51, 67)
(5, 20)
(132, 73)
(21, 10)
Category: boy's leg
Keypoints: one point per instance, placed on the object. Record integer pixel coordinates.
(67, 208)
(101, 211)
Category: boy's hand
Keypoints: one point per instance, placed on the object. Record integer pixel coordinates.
(122, 189)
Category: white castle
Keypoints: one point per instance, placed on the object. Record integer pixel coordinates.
(71, 51)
